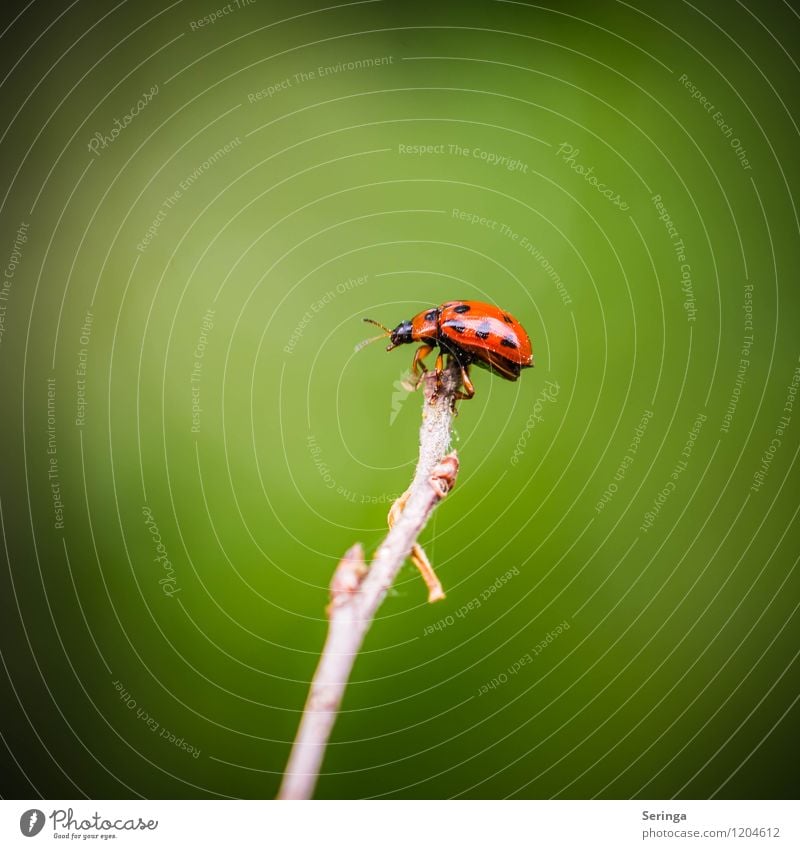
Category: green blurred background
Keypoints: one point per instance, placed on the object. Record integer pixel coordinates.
(181, 297)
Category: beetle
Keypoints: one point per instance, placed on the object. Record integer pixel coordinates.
(472, 332)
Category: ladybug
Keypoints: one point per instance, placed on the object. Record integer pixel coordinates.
(471, 332)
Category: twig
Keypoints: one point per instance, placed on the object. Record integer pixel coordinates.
(357, 591)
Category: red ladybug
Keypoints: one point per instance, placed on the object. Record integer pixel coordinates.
(472, 332)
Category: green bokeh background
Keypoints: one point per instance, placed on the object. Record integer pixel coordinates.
(677, 675)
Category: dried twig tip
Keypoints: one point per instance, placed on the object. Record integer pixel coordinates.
(348, 576)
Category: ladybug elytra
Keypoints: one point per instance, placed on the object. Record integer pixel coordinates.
(472, 332)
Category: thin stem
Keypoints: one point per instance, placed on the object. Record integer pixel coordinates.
(357, 591)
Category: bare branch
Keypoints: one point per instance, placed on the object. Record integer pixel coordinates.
(357, 591)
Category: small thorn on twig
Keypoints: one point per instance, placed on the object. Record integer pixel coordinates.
(348, 576)
(443, 476)
(417, 553)
(442, 480)
(432, 582)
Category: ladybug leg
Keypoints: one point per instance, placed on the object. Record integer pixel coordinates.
(418, 367)
(438, 369)
(469, 389)
(417, 554)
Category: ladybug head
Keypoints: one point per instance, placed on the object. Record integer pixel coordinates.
(401, 335)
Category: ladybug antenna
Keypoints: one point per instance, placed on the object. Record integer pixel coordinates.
(378, 324)
(387, 332)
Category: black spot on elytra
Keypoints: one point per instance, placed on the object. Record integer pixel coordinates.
(483, 331)
(507, 319)
(430, 316)
(461, 308)
(458, 328)
(508, 342)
